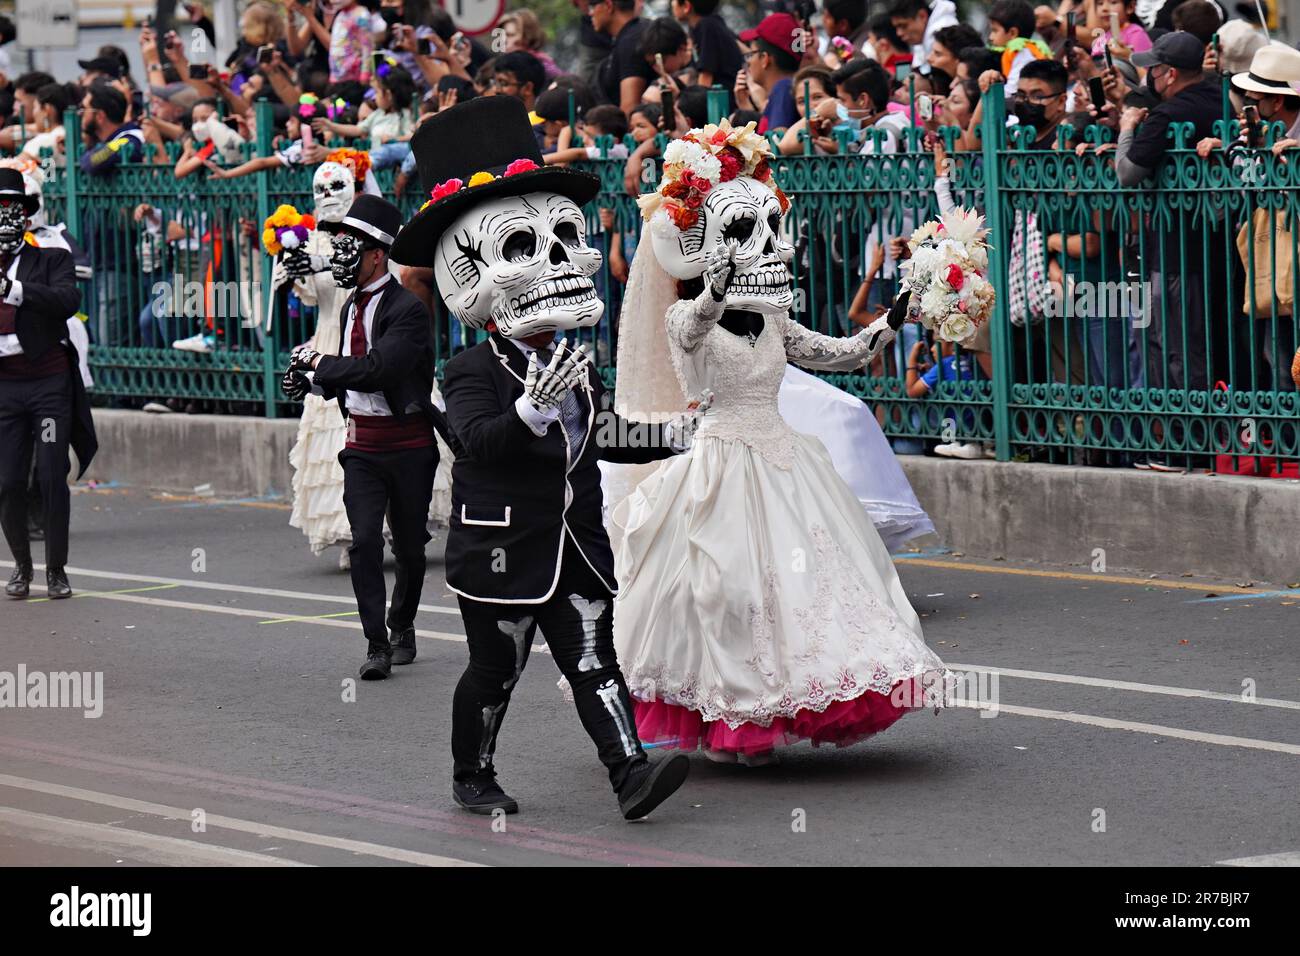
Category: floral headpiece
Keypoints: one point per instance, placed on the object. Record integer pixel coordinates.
(335, 107)
(447, 187)
(699, 161)
(286, 228)
(307, 105)
(354, 159)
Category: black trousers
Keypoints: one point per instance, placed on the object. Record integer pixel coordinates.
(397, 484)
(578, 624)
(36, 421)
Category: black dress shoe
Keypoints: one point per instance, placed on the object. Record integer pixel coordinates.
(20, 581)
(482, 794)
(379, 663)
(403, 643)
(56, 581)
(651, 784)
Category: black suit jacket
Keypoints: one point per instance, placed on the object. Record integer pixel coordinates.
(398, 363)
(50, 296)
(515, 495)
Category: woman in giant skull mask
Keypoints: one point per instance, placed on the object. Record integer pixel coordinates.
(317, 477)
(758, 605)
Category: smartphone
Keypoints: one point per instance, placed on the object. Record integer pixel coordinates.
(668, 114)
(198, 71)
(902, 71)
(1252, 125)
(1069, 28)
(1114, 27)
(1110, 60)
(424, 46)
(306, 136)
(1097, 90)
(375, 60)
(925, 107)
(265, 54)
(459, 41)
(659, 63)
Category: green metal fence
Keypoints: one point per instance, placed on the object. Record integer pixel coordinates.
(1086, 370)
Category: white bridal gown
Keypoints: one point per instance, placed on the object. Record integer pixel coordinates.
(752, 583)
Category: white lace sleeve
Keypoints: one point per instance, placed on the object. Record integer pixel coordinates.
(830, 353)
(690, 320)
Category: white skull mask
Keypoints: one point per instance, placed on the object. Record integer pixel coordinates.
(747, 212)
(521, 262)
(333, 189)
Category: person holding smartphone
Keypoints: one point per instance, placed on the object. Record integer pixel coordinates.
(352, 42)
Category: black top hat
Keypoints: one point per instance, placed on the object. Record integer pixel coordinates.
(487, 135)
(370, 218)
(12, 186)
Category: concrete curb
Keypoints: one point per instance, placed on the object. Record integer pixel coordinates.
(1235, 529)
(1230, 528)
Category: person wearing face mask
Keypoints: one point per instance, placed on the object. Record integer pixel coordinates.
(381, 376)
(1039, 101)
(41, 392)
(1186, 95)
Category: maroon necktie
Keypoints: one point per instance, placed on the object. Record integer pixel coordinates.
(8, 313)
(359, 322)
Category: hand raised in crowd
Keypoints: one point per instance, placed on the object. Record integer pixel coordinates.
(1282, 145)
(988, 78)
(741, 91)
(1132, 118)
(1116, 89)
(899, 249)
(448, 98)
(1208, 145)
(174, 50)
(1119, 49)
(1210, 62)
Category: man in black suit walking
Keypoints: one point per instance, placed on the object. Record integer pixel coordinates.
(506, 241)
(382, 378)
(43, 407)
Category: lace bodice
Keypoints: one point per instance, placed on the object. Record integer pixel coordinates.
(745, 378)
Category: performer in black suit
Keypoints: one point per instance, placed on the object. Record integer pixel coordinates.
(506, 241)
(43, 406)
(382, 378)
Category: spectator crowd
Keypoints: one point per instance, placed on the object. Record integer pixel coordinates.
(844, 77)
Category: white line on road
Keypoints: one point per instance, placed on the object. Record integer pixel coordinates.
(232, 823)
(1128, 685)
(235, 588)
(157, 850)
(1159, 730)
(1271, 859)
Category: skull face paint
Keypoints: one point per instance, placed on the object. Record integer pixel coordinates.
(522, 263)
(333, 189)
(346, 260)
(745, 211)
(13, 223)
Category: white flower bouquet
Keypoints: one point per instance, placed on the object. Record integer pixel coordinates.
(946, 275)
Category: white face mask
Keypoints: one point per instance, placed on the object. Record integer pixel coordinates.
(521, 262)
(202, 130)
(333, 189)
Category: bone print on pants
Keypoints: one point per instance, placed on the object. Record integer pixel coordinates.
(577, 623)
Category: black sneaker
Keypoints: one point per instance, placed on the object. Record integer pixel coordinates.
(403, 644)
(379, 663)
(56, 583)
(482, 794)
(651, 784)
(20, 582)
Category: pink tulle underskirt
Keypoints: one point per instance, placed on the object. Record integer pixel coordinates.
(844, 722)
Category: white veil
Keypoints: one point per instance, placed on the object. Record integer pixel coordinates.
(647, 387)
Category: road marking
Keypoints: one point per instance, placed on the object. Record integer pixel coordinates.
(1271, 859)
(232, 823)
(1159, 730)
(235, 588)
(1246, 597)
(158, 850)
(308, 617)
(1079, 576)
(82, 594)
(1128, 685)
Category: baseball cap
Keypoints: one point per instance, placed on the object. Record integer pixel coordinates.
(778, 29)
(102, 64)
(1178, 49)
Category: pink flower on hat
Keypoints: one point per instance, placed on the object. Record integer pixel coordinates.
(520, 166)
(446, 189)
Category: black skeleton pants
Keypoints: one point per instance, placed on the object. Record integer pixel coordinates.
(577, 623)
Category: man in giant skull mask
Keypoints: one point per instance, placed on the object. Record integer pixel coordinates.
(382, 377)
(504, 239)
(42, 399)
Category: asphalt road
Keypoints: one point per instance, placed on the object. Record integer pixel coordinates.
(1121, 736)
